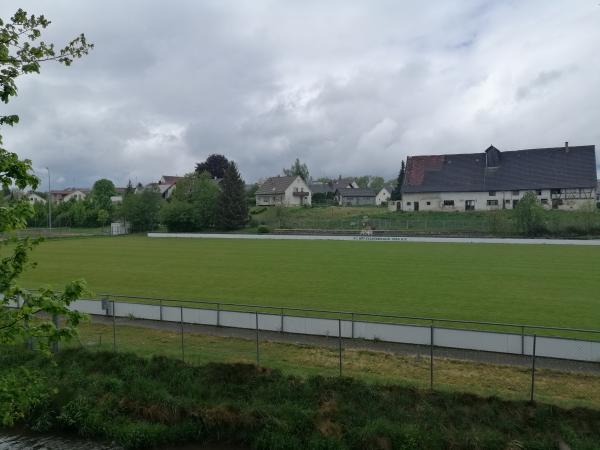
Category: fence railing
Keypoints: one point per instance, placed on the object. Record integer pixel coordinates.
(525, 342)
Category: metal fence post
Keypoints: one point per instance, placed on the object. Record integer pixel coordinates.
(340, 343)
(257, 349)
(281, 328)
(431, 356)
(161, 309)
(522, 340)
(218, 314)
(181, 325)
(114, 327)
(533, 368)
(352, 318)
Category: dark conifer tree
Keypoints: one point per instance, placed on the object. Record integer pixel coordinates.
(232, 212)
(397, 194)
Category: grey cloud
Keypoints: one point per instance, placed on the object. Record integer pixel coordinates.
(349, 87)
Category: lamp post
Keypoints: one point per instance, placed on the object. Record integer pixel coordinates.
(49, 202)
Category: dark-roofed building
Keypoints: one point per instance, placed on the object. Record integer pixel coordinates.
(561, 177)
(284, 191)
(355, 197)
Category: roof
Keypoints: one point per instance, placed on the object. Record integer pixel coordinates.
(170, 179)
(320, 188)
(342, 183)
(388, 187)
(493, 170)
(275, 185)
(351, 192)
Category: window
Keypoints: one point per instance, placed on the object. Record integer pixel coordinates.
(492, 193)
(492, 202)
(538, 191)
(555, 191)
(515, 192)
(428, 203)
(544, 201)
(448, 202)
(507, 202)
(408, 203)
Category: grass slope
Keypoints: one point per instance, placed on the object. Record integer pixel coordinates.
(143, 403)
(561, 388)
(548, 285)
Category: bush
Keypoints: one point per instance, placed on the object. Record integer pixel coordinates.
(263, 229)
(179, 216)
(529, 215)
(258, 210)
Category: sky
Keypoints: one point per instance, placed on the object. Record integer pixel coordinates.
(349, 87)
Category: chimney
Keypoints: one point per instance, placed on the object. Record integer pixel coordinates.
(567, 146)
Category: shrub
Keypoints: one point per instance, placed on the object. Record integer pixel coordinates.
(529, 215)
(263, 229)
(258, 210)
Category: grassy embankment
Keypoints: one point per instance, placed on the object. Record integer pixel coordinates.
(509, 382)
(141, 403)
(544, 285)
(500, 223)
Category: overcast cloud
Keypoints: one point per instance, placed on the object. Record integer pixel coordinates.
(350, 88)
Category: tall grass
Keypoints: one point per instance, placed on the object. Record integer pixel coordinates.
(141, 403)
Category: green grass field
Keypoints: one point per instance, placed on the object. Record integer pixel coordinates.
(545, 285)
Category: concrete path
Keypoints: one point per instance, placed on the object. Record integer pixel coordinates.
(453, 240)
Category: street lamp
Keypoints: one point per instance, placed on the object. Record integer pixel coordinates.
(49, 202)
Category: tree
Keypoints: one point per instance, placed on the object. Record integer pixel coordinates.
(232, 212)
(142, 210)
(102, 191)
(363, 182)
(103, 217)
(376, 183)
(215, 165)
(179, 216)
(397, 193)
(200, 193)
(22, 52)
(297, 169)
(529, 215)
(129, 189)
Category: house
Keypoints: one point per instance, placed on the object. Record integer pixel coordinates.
(344, 183)
(285, 191)
(34, 198)
(561, 178)
(355, 197)
(67, 194)
(384, 195)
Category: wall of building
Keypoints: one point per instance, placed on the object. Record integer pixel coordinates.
(566, 199)
(382, 196)
(288, 198)
(298, 185)
(356, 201)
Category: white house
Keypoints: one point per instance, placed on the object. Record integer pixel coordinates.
(384, 195)
(33, 198)
(67, 194)
(284, 191)
(560, 177)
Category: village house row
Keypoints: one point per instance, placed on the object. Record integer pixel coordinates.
(561, 178)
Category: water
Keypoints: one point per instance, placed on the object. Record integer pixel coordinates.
(33, 442)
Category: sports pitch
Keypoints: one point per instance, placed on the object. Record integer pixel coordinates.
(534, 284)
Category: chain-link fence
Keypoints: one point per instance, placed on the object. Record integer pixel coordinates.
(559, 365)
